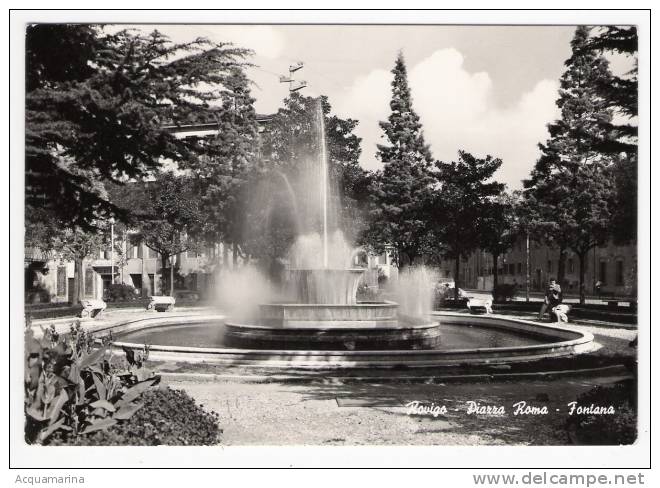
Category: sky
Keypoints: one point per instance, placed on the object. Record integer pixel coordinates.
(488, 90)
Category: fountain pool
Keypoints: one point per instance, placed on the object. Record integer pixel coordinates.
(465, 340)
(317, 320)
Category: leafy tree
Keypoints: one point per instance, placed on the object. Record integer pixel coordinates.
(104, 117)
(462, 208)
(58, 53)
(76, 244)
(229, 164)
(402, 190)
(568, 192)
(167, 219)
(621, 94)
(498, 229)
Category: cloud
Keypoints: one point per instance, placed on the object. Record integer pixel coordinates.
(458, 110)
(264, 40)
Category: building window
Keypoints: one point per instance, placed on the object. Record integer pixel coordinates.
(89, 282)
(519, 268)
(61, 281)
(619, 272)
(191, 254)
(549, 266)
(602, 272)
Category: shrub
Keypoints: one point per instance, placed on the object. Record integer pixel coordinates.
(168, 418)
(504, 292)
(38, 294)
(71, 387)
(119, 292)
(613, 429)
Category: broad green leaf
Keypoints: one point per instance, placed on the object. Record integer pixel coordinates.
(56, 407)
(100, 387)
(103, 404)
(36, 414)
(93, 358)
(127, 411)
(44, 434)
(99, 425)
(136, 390)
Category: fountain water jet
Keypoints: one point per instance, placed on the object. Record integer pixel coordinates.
(322, 311)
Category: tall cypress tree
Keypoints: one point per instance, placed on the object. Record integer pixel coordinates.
(569, 189)
(402, 190)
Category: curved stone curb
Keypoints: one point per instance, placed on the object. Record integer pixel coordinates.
(616, 371)
(571, 342)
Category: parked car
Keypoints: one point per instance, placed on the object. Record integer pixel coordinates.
(447, 287)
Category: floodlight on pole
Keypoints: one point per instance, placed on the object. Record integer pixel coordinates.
(294, 85)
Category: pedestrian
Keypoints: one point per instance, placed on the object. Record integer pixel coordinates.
(553, 297)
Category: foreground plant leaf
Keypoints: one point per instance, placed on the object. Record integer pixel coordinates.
(127, 411)
(99, 425)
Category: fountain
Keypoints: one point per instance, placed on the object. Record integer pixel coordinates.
(316, 321)
(322, 310)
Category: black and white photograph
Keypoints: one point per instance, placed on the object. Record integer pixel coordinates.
(330, 234)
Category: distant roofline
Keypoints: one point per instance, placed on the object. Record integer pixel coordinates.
(261, 119)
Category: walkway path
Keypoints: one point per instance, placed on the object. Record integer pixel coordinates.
(372, 414)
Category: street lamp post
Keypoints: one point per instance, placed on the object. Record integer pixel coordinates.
(112, 251)
(527, 269)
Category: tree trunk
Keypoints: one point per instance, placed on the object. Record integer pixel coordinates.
(496, 258)
(78, 288)
(225, 255)
(561, 268)
(146, 290)
(582, 257)
(171, 279)
(163, 266)
(234, 257)
(457, 266)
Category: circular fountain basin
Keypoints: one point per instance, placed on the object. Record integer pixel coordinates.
(362, 326)
(464, 340)
(324, 286)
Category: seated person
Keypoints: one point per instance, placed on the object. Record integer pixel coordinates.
(553, 297)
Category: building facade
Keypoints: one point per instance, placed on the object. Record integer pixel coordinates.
(613, 267)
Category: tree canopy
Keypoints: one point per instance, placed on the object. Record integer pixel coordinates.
(569, 193)
(401, 191)
(461, 204)
(105, 116)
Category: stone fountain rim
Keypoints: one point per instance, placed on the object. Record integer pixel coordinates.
(581, 342)
(380, 304)
(352, 270)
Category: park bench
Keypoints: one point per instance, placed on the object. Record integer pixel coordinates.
(91, 307)
(161, 303)
(476, 305)
(561, 312)
(614, 303)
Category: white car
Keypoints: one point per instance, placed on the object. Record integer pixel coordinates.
(449, 289)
